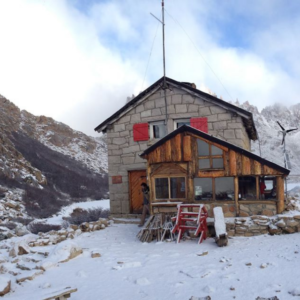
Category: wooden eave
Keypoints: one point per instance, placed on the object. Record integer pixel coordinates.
(247, 116)
(218, 142)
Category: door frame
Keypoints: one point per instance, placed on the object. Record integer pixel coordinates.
(129, 188)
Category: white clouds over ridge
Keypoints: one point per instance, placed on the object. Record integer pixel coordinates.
(79, 65)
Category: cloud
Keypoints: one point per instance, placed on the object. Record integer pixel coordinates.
(78, 64)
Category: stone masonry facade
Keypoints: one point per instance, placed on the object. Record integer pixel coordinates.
(123, 151)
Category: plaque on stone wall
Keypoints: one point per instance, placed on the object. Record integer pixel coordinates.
(116, 179)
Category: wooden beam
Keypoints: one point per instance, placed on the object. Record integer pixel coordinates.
(187, 149)
(236, 195)
(168, 151)
(246, 168)
(232, 163)
(257, 187)
(280, 194)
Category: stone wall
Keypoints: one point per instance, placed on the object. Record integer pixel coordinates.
(123, 152)
(258, 225)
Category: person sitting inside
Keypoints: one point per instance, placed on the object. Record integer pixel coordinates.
(146, 194)
(262, 188)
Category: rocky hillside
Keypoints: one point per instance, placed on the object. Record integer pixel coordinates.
(49, 161)
(270, 138)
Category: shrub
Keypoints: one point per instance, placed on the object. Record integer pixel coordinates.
(9, 225)
(79, 215)
(36, 227)
(22, 220)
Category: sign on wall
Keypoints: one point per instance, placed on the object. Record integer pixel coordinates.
(116, 179)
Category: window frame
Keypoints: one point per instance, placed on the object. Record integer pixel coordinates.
(151, 129)
(213, 199)
(169, 187)
(176, 121)
(210, 157)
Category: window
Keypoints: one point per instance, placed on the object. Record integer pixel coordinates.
(170, 188)
(210, 156)
(157, 130)
(270, 190)
(178, 123)
(247, 188)
(221, 188)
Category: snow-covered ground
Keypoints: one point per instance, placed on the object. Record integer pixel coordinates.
(128, 269)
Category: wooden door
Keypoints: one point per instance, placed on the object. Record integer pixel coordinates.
(136, 178)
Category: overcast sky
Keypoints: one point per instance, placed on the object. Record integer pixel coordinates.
(78, 60)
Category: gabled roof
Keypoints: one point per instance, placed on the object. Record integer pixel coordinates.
(186, 128)
(246, 115)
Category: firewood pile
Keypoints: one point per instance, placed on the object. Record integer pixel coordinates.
(156, 228)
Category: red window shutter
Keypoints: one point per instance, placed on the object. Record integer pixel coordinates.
(200, 124)
(140, 132)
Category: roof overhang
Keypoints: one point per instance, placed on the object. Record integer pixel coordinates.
(186, 128)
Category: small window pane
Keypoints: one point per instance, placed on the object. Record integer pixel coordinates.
(181, 123)
(216, 151)
(224, 187)
(203, 148)
(204, 164)
(218, 163)
(159, 131)
(203, 188)
(161, 188)
(177, 187)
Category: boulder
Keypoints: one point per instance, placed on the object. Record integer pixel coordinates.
(4, 285)
(21, 230)
(65, 251)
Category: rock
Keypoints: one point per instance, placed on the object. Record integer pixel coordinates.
(65, 251)
(203, 253)
(4, 285)
(292, 223)
(3, 259)
(19, 249)
(295, 292)
(29, 276)
(273, 229)
(85, 227)
(297, 217)
(22, 267)
(289, 229)
(280, 223)
(248, 264)
(263, 266)
(74, 227)
(95, 254)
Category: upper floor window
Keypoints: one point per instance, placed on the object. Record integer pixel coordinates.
(210, 156)
(178, 123)
(157, 130)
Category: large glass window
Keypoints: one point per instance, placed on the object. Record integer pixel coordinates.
(210, 156)
(247, 188)
(224, 187)
(170, 188)
(203, 188)
(221, 188)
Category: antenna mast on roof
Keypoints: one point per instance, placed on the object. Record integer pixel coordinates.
(164, 60)
(163, 36)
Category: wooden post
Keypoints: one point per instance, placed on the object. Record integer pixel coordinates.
(236, 195)
(257, 188)
(280, 194)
